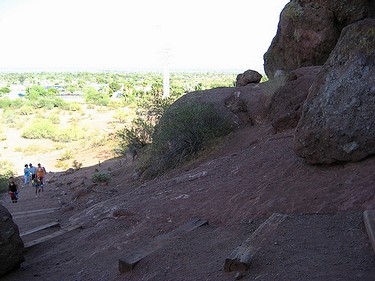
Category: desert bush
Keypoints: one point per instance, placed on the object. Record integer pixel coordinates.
(72, 106)
(59, 146)
(182, 132)
(62, 164)
(39, 129)
(5, 103)
(137, 135)
(33, 149)
(8, 103)
(101, 177)
(10, 117)
(4, 90)
(68, 154)
(96, 140)
(45, 129)
(121, 116)
(54, 118)
(6, 171)
(26, 110)
(115, 104)
(93, 96)
(77, 165)
(3, 137)
(72, 133)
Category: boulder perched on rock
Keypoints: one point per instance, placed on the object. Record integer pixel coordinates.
(286, 103)
(248, 77)
(308, 31)
(11, 245)
(337, 122)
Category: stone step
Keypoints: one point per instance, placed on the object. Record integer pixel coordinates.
(34, 212)
(240, 258)
(51, 236)
(39, 228)
(369, 220)
(128, 262)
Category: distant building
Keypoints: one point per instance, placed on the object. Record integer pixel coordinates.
(57, 87)
(17, 91)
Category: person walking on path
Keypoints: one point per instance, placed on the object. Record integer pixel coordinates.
(26, 175)
(32, 173)
(13, 190)
(38, 186)
(40, 173)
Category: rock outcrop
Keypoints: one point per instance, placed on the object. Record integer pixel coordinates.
(248, 77)
(11, 245)
(337, 122)
(286, 103)
(308, 31)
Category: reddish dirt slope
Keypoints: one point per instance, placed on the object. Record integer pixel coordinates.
(254, 174)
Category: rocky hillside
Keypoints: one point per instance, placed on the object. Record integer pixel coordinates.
(303, 147)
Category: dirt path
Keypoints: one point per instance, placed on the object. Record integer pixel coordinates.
(236, 189)
(32, 211)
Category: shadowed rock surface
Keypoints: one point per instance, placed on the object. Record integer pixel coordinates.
(338, 117)
(308, 31)
(286, 104)
(11, 245)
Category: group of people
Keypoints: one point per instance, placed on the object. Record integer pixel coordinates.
(33, 175)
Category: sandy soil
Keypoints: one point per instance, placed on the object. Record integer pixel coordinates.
(101, 122)
(236, 188)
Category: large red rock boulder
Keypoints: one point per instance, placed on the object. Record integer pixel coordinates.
(308, 31)
(248, 77)
(337, 122)
(286, 103)
(11, 245)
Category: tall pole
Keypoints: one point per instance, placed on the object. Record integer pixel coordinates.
(166, 88)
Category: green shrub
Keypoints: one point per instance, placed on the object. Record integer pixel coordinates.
(54, 118)
(39, 129)
(96, 140)
(121, 116)
(77, 165)
(93, 96)
(5, 102)
(6, 171)
(68, 154)
(26, 110)
(62, 164)
(137, 135)
(72, 133)
(115, 104)
(8, 103)
(4, 90)
(3, 137)
(72, 106)
(101, 177)
(182, 132)
(33, 149)
(10, 117)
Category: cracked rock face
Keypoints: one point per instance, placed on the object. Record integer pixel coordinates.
(308, 31)
(338, 120)
(11, 245)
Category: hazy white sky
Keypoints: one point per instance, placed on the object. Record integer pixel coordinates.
(133, 34)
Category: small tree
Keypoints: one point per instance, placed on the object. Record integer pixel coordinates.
(93, 96)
